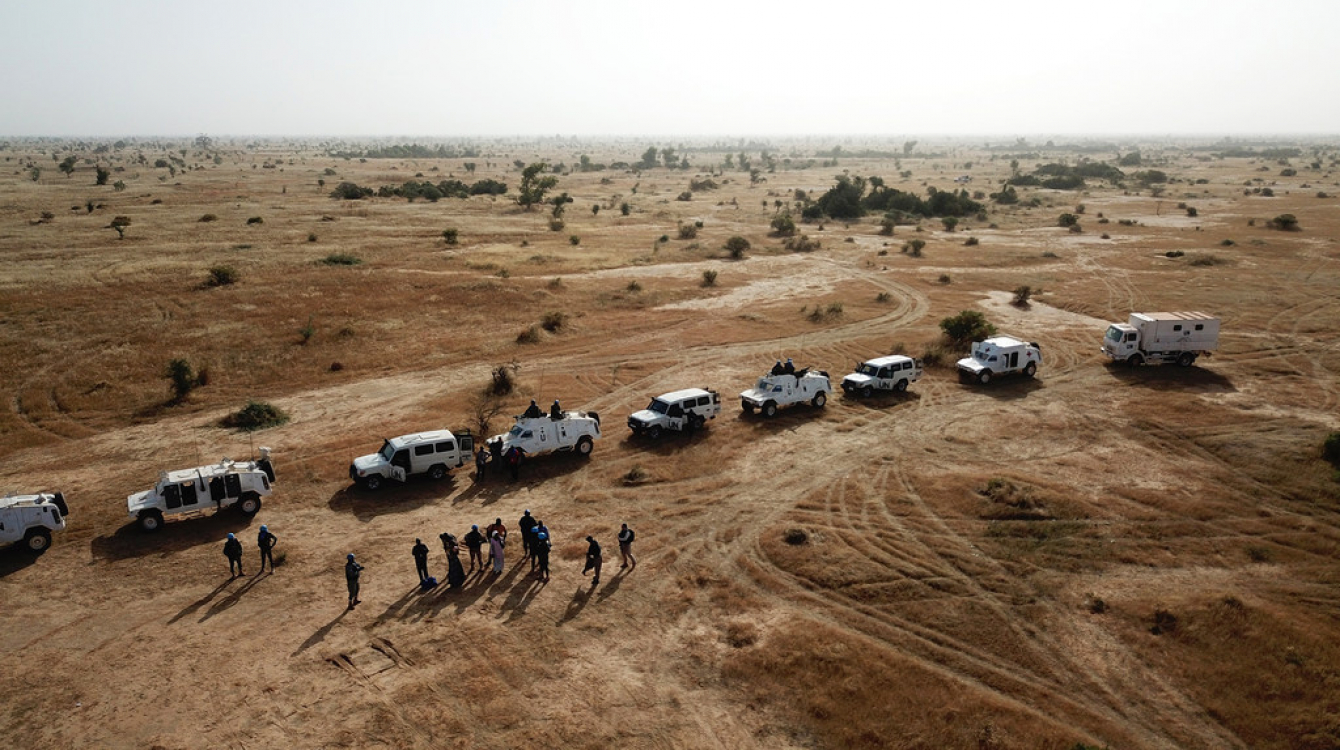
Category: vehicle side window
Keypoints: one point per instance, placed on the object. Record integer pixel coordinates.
(527, 434)
(703, 400)
(232, 484)
(675, 411)
(1200, 327)
(401, 458)
(423, 450)
(446, 446)
(1177, 327)
(1130, 337)
(172, 496)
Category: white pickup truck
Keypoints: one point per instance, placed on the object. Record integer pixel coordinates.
(432, 453)
(772, 391)
(535, 436)
(217, 486)
(1000, 355)
(30, 519)
(891, 373)
(681, 411)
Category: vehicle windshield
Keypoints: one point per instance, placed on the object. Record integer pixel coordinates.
(515, 432)
(1113, 333)
(658, 406)
(867, 369)
(387, 451)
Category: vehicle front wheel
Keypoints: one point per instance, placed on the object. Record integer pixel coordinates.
(1186, 359)
(770, 409)
(819, 400)
(584, 445)
(37, 540)
(250, 504)
(985, 377)
(654, 432)
(1031, 369)
(867, 391)
(372, 482)
(151, 520)
(437, 472)
(900, 386)
(1135, 360)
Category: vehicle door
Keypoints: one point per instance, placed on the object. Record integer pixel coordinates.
(422, 458)
(190, 496)
(885, 374)
(675, 416)
(400, 465)
(467, 443)
(216, 490)
(9, 526)
(447, 453)
(1012, 360)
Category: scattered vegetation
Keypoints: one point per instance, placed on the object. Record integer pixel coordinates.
(709, 277)
(222, 276)
(182, 379)
(1022, 294)
(824, 313)
(737, 246)
(120, 223)
(253, 221)
(451, 235)
(966, 327)
(502, 379)
(553, 321)
(256, 415)
(341, 259)
(971, 242)
(530, 335)
(801, 244)
(1284, 223)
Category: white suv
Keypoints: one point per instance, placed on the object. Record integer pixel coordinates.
(681, 411)
(433, 453)
(891, 373)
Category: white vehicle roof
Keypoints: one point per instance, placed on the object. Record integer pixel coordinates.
(432, 436)
(892, 358)
(1173, 316)
(683, 394)
(13, 501)
(1004, 341)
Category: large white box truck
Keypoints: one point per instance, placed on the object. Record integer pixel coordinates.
(1162, 337)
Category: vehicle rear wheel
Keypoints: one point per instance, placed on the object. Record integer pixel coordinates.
(584, 445)
(654, 432)
(372, 482)
(250, 504)
(900, 386)
(770, 409)
(696, 422)
(985, 377)
(37, 540)
(1031, 369)
(1135, 360)
(1186, 359)
(867, 391)
(819, 400)
(151, 520)
(437, 472)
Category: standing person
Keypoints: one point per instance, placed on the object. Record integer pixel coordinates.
(626, 547)
(514, 461)
(420, 552)
(232, 549)
(541, 548)
(267, 541)
(498, 528)
(527, 526)
(495, 452)
(555, 411)
(540, 528)
(496, 552)
(473, 542)
(352, 570)
(593, 559)
(481, 461)
(455, 572)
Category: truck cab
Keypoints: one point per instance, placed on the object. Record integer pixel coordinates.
(891, 373)
(31, 519)
(680, 411)
(1000, 355)
(433, 453)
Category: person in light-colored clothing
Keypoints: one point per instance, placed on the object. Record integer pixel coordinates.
(496, 552)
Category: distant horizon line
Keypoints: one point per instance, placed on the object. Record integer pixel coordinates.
(1187, 135)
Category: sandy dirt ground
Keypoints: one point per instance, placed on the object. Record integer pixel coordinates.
(1098, 557)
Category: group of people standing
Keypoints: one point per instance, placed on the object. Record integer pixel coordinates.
(232, 549)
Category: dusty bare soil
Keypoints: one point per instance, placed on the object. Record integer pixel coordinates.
(836, 577)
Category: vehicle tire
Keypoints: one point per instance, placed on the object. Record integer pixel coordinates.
(372, 482)
(984, 377)
(900, 386)
(867, 391)
(770, 409)
(654, 432)
(437, 472)
(1135, 360)
(151, 520)
(584, 445)
(1031, 369)
(819, 400)
(747, 407)
(250, 504)
(37, 540)
(697, 422)
(1186, 359)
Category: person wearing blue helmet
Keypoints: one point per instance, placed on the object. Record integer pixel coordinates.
(352, 571)
(266, 541)
(232, 549)
(540, 548)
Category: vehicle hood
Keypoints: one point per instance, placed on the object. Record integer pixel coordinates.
(368, 462)
(139, 501)
(970, 364)
(858, 378)
(645, 415)
(754, 394)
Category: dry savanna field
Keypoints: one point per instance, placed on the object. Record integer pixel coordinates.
(1099, 557)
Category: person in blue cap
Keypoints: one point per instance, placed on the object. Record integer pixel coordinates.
(420, 553)
(540, 548)
(232, 549)
(352, 570)
(790, 367)
(266, 541)
(777, 369)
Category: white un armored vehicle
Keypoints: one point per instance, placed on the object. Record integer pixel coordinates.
(681, 411)
(565, 431)
(892, 373)
(1000, 355)
(30, 519)
(433, 453)
(772, 391)
(218, 486)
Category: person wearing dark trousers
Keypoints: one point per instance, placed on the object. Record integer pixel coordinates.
(420, 553)
(514, 461)
(527, 526)
(532, 411)
(352, 571)
(555, 411)
(593, 560)
(474, 541)
(455, 573)
(626, 547)
(541, 549)
(267, 541)
(232, 549)
(481, 462)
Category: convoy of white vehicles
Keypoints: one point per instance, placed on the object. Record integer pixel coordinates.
(1148, 337)
(1162, 337)
(431, 453)
(30, 519)
(678, 411)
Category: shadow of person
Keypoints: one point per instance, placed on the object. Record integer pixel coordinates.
(613, 586)
(320, 633)
(580, 598)
(194, 606)
(232, 598)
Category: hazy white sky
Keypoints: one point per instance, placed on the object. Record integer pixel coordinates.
(687, 67)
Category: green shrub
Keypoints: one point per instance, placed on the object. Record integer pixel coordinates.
(1284, 222)
(256, 415)
(801, 244)
(1067, 220)
(687, 231)
(971, 242)
(222, 276)
(883, 297)
(255, 220)
(1330, 448)
(341, 259)
(634, 286)
(183, 378)
(529, 335)
(783, 225)
(737, 246)
(966, 327)
(311, 236)
(709, 278)
(944, 279)
(451, 235)
(1022, 295)
(625, 209)
(553, 321)
(914, 247)
(574, 240)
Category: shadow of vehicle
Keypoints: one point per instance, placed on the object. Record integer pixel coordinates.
(15, 558)
(786, 418)
(1171, 377)
(392, 497)
(1003, 388)
(880, 399)
(176, 535)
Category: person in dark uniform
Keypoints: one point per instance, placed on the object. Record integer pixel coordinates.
(542, 553)
(455, 572)
(352, 570)
(777, 369)
(474, 541)
(514, 455)
(267, 541)
(555, 411)
(533, 410)
(481, 462)
(527, 526)
(593, 559)
(790, 367)
(626, 547)
(232, 549)
(420, 553)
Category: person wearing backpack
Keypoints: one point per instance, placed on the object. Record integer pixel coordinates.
(626, 547)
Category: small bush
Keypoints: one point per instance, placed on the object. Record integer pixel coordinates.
(183, 378)
(529, 335)
(935, 355)
(255, 220)
(1330, 449)
(502, 379)
(256, 415)
(222, 276)
(1192, 212)
(553, 321)
(709, 278)
(574, 240)
(1022, 295)
(783, 225)
(207, 218)
(634, 286)
(801, 244)
(795, 537)
(1174, 254)
(1067, 220)
(966, 327)
(341, 259)
(687, 231)
(1205, 260)
(883, 297)
(311, 236)
(625, 209)
(737, 246)
(1164, 622)
(451, 235)
(556, 224)
(1284, 223)
(1227, 243)
(971, 242)
(307, 331)
(914, 246)
(944, 279)
(685, 196)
